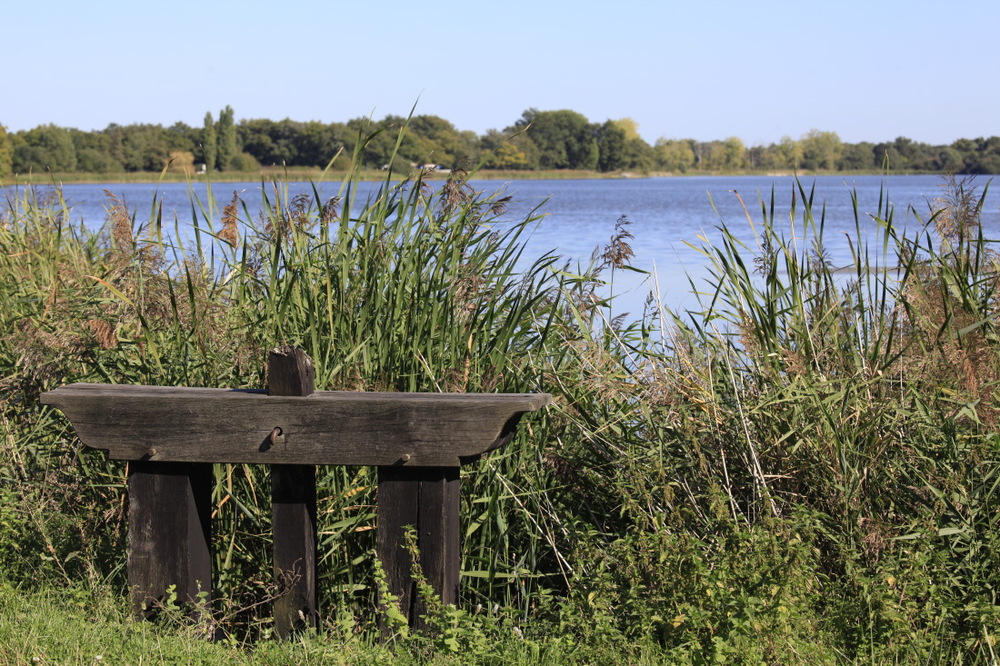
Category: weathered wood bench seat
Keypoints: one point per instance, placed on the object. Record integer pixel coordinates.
(171, 424)
(172, 436)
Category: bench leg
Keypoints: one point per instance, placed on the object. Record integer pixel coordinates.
(426, 499)
(293, 517)
(169, 521)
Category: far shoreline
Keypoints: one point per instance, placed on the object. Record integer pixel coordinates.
(319, 175)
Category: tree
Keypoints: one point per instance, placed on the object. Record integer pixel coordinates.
(565, 139)
(948, 160)
(789, 153)
(209, 143)
(856, 157)
(44, 148)
(262, 139)
(6, 154)
(887, 156)
(820, 150)
(757, 157)
(317, 143)
(228, 145)
(181, 136)
(139, 147)
(733, 154)
(379, 141)
(508, 156)
(611, 139)
(634, 153)
(981, 155)
(921, 156)
(503, 151)
(728, 155)
(438, 141)
(629, 127)
(674, 155)
(639, 155)
(93, 152)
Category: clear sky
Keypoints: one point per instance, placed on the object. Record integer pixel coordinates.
(868, 70)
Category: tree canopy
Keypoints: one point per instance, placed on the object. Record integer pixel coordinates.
(538, 140)
(6, 154)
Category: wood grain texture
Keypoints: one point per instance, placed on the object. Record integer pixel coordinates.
(426, 500)
(293, 509)
(327, 427)
(417, 440)
(169, 532)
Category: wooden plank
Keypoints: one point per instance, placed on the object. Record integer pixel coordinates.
(169, 520)
(397, 502)
(438, 531)
(293, 509)
(427, 500)
(326, 427)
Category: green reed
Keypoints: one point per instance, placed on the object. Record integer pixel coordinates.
(414, 288)
(803, 469)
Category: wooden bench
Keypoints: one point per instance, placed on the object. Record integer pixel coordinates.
(171, 437)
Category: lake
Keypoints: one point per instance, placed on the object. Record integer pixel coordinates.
(667, 214)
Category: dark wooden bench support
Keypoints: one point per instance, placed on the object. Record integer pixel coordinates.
(169, 532)
(427, 500)
(293, 513)
(293, 508)
(172, 436)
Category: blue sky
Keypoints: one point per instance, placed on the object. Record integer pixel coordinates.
(870, 71)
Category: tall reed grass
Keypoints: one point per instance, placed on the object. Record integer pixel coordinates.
(805, 469)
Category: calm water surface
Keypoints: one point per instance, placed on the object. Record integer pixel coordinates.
(668, 215)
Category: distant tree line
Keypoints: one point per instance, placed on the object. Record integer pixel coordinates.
(537, 140)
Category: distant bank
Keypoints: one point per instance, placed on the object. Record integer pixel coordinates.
(305, 174)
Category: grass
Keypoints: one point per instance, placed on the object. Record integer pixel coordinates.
(803, 470)
(77, 626)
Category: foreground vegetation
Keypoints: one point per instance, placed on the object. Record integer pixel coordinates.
(804, 471)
